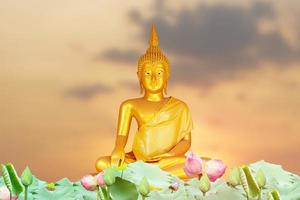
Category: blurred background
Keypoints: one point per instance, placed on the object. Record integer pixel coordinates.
(65, 67)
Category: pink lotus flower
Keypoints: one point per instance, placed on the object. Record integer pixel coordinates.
(193, 165)
(100, 179)
(89, 183)
(4, 193)
(215, 169)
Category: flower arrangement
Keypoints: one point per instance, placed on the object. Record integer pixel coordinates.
(143, 181)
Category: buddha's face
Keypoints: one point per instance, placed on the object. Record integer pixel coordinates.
(153, 77)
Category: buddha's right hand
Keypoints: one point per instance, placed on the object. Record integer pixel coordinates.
(117, 157)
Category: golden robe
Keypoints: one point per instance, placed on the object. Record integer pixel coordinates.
(160, 134)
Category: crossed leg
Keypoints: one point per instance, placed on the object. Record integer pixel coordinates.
(173, 165)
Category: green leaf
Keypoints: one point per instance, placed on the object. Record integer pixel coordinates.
(155, 176)
(6, 178)
(275, 195)
(123, 190)
(248, 182)
(26, 177)
(270, 197)
(11, 179)
(65, 193)
(103, 193)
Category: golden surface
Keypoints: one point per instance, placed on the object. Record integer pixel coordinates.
(164, 123)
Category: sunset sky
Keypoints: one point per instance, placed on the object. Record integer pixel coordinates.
(65, 67)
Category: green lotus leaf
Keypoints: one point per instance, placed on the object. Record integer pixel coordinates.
(6, 178)
(283, 182)
(11, 179)
(66, 193)
(123, 190)
(249, 184)
(275, 195)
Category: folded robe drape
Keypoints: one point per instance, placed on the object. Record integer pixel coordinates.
(160, 134)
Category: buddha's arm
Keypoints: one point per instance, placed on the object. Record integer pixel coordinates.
(124, 122)
(179, 149)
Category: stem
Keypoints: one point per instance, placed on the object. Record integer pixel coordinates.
(10, 196)
(100, 194)
(122, 174)
(107, 193)
(26, 192)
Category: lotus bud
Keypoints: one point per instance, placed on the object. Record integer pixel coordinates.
(234, 177)
(193, 165)
(100, 179)
(109, 177)
(27, 177)
(261, 178)
(204, 183)
(215, 169)
(144, 187)
(89, 183)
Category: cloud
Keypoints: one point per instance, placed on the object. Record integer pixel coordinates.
(211, 43)
(119, 55)
(85, 92)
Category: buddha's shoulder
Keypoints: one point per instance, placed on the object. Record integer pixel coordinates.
(135, 102)
(180, 103)
(130, 103)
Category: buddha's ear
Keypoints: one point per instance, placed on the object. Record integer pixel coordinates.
(139, 76)
(166, 87)
(140, 82)
(141, 88)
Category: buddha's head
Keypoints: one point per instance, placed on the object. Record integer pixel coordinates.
(153, 67)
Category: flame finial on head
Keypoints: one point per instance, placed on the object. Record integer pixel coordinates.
(153, 52)
(153, 41)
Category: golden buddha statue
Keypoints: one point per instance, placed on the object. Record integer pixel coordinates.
(164, 123)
